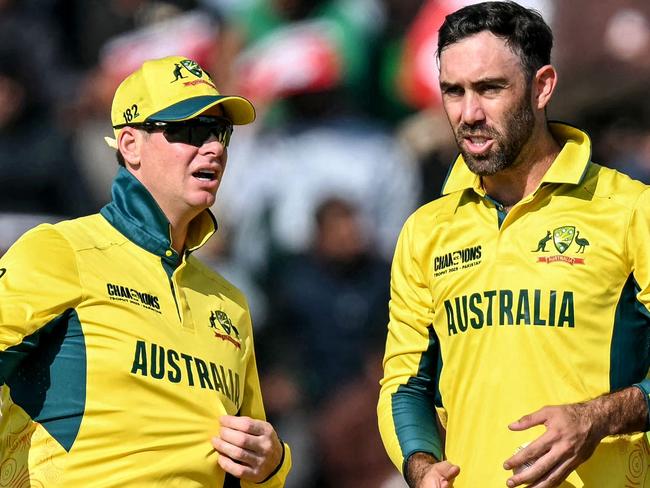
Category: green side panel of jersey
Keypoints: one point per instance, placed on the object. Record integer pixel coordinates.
(50, 382)
(630, 350)
(413, 405)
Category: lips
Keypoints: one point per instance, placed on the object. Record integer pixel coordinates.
(205, 175)
(476, 144)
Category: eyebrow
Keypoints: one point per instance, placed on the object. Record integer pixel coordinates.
(445, 85)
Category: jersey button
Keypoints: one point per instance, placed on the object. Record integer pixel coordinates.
(169, 253)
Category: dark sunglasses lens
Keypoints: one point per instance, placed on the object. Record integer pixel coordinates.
(177, 133)
(197, 134)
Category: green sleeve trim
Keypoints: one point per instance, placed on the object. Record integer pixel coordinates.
(644, 386)
(46, 375)
(413, 406)
(629, 355)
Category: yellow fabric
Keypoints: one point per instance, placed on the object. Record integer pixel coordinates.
(547, 308)
(164, 358)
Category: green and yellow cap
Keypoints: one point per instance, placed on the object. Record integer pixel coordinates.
(171, 89)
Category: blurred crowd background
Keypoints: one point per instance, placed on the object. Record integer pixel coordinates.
(350, 138)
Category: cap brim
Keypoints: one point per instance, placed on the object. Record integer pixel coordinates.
(238, 109)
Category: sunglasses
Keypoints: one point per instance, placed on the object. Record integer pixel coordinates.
(194, 131)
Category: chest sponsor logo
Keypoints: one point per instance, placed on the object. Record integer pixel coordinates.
(223, 328)
(455, 260)
(159, 363)
(544, 308)
(3, 271)
(134, 297)
(565, 239)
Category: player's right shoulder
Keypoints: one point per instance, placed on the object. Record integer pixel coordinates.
(435, 212)
(40, 246)
(89, 232)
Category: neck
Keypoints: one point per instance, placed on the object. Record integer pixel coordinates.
(179, 226)
(522, 178)
(179, 234)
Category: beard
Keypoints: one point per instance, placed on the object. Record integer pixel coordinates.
(507, 146)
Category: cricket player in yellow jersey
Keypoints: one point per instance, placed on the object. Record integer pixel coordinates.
(124, 361)
(519, 316)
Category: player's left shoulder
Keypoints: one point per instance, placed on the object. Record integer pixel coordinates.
(616, 186)
(212, 280)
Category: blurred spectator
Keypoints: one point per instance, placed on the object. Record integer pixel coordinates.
(30, 31)
(348, 438)
(329, 310)
(37, 170)
(332, 301)
(277, 181)
(287, 47)
(90, 24)
(621, 137)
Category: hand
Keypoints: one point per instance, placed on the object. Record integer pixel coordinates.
(425, 472)
(571, 437)
(248, 449)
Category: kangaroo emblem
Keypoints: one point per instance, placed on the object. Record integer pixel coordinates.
(178, 73)
(541, 246)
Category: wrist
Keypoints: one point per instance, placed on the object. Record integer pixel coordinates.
(618, 413)
(417, 466)
(277, 468)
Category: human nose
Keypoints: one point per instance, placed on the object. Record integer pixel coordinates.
(472, 111)
(213, 145)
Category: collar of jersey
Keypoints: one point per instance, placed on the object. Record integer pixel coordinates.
(570, 165)
(134, 212)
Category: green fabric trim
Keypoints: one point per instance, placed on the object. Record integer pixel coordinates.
(136, 214)
(413, 406)
(644, 386)
(629, 355)
(501, 212)
(46, 375)
(185, 108)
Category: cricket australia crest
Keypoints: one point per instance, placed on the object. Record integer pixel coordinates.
(563, 237)
(192, 67)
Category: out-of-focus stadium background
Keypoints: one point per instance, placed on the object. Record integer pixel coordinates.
(350, 138)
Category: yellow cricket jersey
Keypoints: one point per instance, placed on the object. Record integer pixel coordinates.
(493, 316)
(118, 356)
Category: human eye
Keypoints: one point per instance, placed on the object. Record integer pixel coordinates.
(490, 88)
(451, 90)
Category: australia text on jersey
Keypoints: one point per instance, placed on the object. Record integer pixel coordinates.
(159, 363)
(550, 308)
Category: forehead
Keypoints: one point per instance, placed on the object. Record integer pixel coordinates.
(480, 56)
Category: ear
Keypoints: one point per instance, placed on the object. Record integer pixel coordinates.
(543, 86)
(129, 142)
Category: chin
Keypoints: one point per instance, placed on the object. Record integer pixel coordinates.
(203, 201)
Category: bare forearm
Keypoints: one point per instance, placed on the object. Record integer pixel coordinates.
(618, 413)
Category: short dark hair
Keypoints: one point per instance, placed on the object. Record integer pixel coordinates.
(523, 29)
